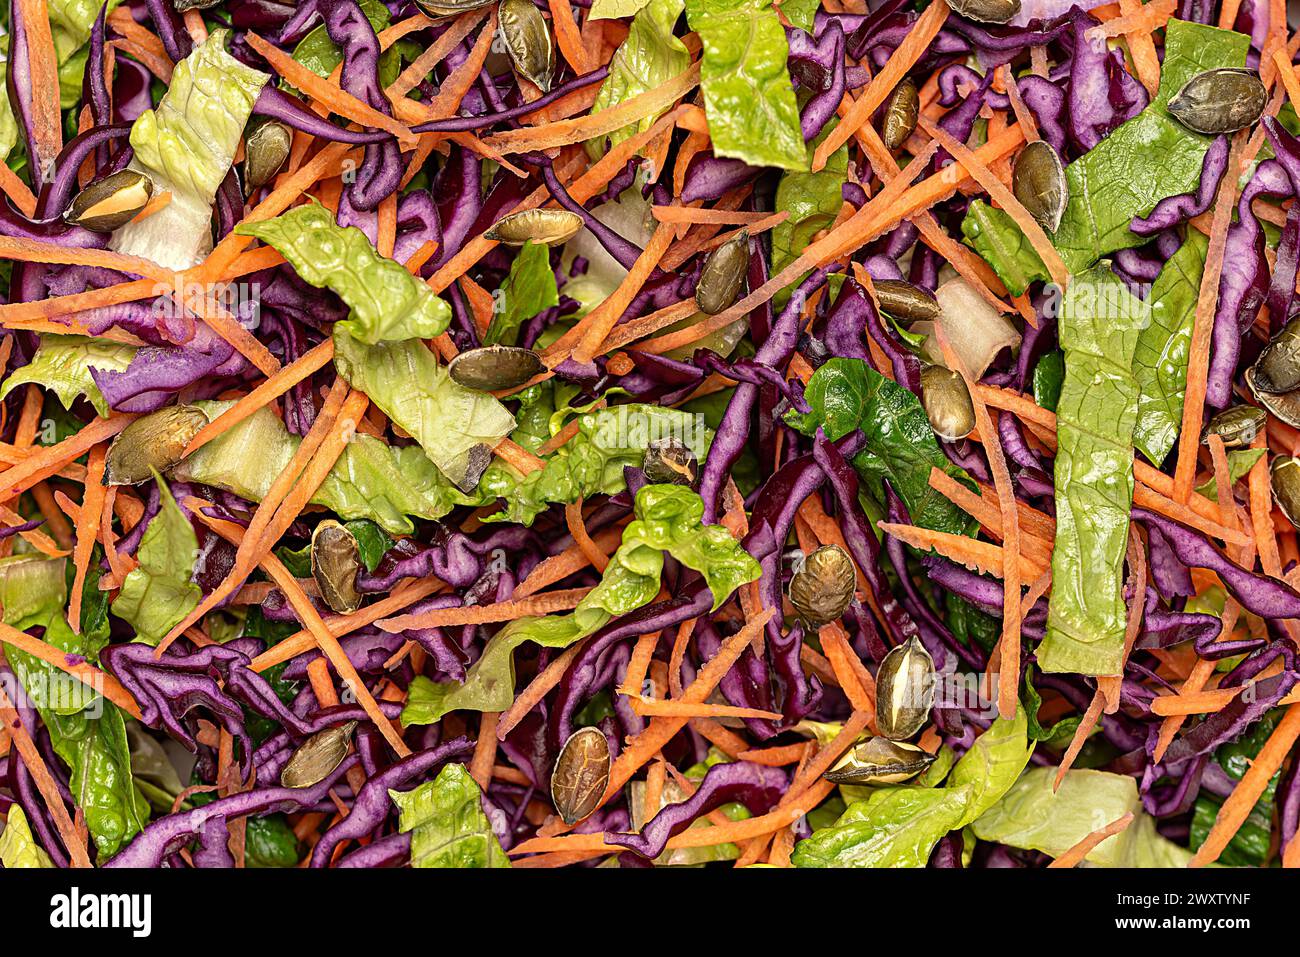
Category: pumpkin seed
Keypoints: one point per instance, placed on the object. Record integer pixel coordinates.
(1284, 473)
(947, 403)
(823, 586)
(668, 462)
(723, 275)
(1278, 367)
(906, 302)
(986, 11)
(904, 690)
(335, 561)
(1219, 101)
(1237, 426)
(1038, 180)
(450, 8)
(880, 761)
(490, 368)
(551, 227)
(111, 202)
(528, 41)
(265, 151)
(154, 442)
(180, 6)
(901, 112)
(317, 757)
(581, 775)
(1284, 405)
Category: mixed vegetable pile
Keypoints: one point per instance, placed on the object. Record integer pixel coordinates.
(492, 433)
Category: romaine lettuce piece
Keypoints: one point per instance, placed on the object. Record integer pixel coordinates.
(62, 364)
(614, 9)
(649, 57)
(446, 822)
(186, 146)
(748, 96)
(529, 288)
(18, 848)
(668, 518)
(813, 200)
(1099, 324)
(159, 592)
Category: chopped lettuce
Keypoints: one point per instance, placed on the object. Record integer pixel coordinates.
(1251, 844)
(649, 57)
(1032, 816)
(813, 200)
(386, 302)
(31, 584)
(318, 53)
(529, 288)
(899, 826)
(1099, 324)
(186, 145)
(62, 364)
(748, 96)
(847, 394)
(446, 822)
(614, 9)
(668, 518)
(1049, 374)
(995, 236)
(70, 24)
(159, 591)
(1160, 362)
(18, 848)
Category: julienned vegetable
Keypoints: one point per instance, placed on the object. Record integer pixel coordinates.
(649, 432)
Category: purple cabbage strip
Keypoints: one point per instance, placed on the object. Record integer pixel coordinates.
(1174, 210)
(274, 103)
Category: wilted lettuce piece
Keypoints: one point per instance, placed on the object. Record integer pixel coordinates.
(996, 237)
(748, 96)
(668, 519)
(318, 53)
(847, 394)
(30, 585)
(529, 288)
(1099, 325)
(1160, 362)
(62, 364)
(159, 592)
(614, 9)
(813, 200)
(186, 145)
(18, 848)
(405, 380)
(446, 822)
(1033, 817)
(1251, 844)
(371, 480)
(801, 13)
(592, 462)
(899, 826)
(649, 57)
(70, 23)
(387, 303)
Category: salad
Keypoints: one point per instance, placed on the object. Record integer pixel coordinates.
(625, 433)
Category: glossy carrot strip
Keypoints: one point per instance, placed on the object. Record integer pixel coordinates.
(46, 119)
(41, 465)
(92, 504)
(1075, 855)
(487, 614)
(567, 36)
(97, 679)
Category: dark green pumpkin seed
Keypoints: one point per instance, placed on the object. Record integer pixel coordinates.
(880, 761)
(1219, 101)
(528, 41)
(110, 203)
(906, 302)
(550, 227)
(901, 112)
(581, 775)
(450, 8)
(265, 152)
(668, 462)
(723, 275)
(180, 6)
(155, 442)
(1237, 426)
(1038, 180)
(317, 757)
(490, 368)
(986, 11)
(1283, 405)
(1284, 474)
(335, 561)
(823, 587)
(1278, 367)
(904, 690)
(947, 403)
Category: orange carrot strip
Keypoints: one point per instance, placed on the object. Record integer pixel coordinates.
(454, 88)
(573, 559)
(1143, 47)
(98, 680)
(654, 707)
(567, 37)
(38, 539)
(41, 465)
(564, 600)
(1090, 719)
(695, 214)
(538, 689)
(18, 191)
(46, 120)
(836, 645)
(1146, 17)
(1075, 855)
(92, 504)
(447, 41)
(1285, 70)
(518, 457)
(159, 202)
(573, 518)
(485, 750)
(37, 251)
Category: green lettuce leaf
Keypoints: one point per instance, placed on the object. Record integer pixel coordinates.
(748, 96)
(996, 237)
(18, 848)
(615, 9)
(371, 480)
(847, 394)
(405, 380)
(1240, 461)
(813, 200)
(159, 591)
(1160, 362)
(30, 585)
(668, 519)
(1049, 375)
(186, 145)
(70, 23)
(801, 13)
(1251, 844)
(899, 826)
(649, 57)
(1033, 817)
(529, 288)
(318, 53)
(1099, 324)
(62, 364)
(446, 822)
(386, 302)
(271, 842)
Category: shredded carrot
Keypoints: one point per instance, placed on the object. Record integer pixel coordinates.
(518, 457)
(567, 36)
(561, 566)
(1075, 855)
(485, 750)
(1195, 681)
(537, 689)
(979, 556)
(679, 709)
(836, 645)
(17, 191)
(44, 118)
(41, 465)
(544, 604)
(638, 665)
(1145, 18)
(98, 680)
(92, 505)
